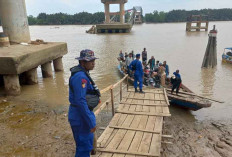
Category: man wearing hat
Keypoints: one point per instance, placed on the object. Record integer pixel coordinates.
(137, 68)
(83, 96)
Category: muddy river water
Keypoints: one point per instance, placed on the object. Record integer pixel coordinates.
(182, 50)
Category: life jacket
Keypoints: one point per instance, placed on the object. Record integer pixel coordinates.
(93, 96)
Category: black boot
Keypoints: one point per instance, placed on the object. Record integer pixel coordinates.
(136, 90)
(141, 91)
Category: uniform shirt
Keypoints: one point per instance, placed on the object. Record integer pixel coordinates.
(138, 67)
(177, 75)
(80, 115)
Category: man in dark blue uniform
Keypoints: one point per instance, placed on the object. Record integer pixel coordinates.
(137, 68)
(82, 94)
(176, 83)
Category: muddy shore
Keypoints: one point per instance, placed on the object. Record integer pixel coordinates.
(29, 128)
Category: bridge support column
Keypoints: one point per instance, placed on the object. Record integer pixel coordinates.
(12, 86)
(14, 20)
(122, 12)
(46, 70)
(58, 65)
(107, 13)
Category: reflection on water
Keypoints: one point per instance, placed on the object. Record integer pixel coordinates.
(208, 79)
(182, 50)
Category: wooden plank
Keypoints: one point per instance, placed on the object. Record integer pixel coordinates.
(114, 142)
(166, 97)
(126, 141)
(144, 99)
(155, 144)
(146, 91)
(126, 152)
(138, 135)
(146, 140)
(158, 124)
(108, 132)
(134, 129)
(145, 104)
(144, 113)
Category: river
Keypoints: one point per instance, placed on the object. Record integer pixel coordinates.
(168, 41)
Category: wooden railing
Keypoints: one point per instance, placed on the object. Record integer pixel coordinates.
(111, 89)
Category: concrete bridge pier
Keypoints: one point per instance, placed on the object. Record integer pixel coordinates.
(18, 63)
(122, 12)
(14, 20)
(46, 70)
(107, 12)
(58, 64)
(31, 76)
(11, 83)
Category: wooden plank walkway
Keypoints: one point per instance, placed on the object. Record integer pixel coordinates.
(136, 128)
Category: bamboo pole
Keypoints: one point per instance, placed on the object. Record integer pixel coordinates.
(115, 85)
(127, 83)
(120, 91)
(112, 102)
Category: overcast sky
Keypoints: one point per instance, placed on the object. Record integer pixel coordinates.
(34, 7)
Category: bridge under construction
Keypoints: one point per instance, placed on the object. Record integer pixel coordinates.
(115, 22)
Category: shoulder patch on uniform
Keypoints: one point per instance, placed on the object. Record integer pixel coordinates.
(83, 82)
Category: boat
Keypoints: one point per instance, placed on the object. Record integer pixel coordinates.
(186, 98)
(227, 55)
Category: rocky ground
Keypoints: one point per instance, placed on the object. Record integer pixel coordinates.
(31, 129)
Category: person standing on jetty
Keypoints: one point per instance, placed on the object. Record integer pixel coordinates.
(83, 96)
(144, 56)
(137, 68)
(176, 82)
(151, 63)
(166, 68)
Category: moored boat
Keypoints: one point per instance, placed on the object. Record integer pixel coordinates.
(227, 55)
(185, 99)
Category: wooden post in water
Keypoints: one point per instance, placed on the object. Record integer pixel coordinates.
(112, 101)
(210, 58)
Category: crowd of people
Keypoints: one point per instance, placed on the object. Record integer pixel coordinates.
(150, 72)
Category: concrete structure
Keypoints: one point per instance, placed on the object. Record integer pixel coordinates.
(138, 19)
(197, 22)
(22, 59)
(114, 27)
(108, 13)
(14, 20)
(210, 58)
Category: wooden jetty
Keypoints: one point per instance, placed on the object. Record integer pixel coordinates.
(136, 127)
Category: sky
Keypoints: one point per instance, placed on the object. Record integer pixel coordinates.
(34, 7)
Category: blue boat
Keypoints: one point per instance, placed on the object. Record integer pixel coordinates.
(227, 55)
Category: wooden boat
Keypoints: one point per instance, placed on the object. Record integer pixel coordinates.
(185, 98)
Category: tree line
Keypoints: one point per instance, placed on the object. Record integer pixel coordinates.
(182, 15)
(83, 18)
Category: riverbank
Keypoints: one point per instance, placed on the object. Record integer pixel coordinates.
(206, 138)
(29, 128)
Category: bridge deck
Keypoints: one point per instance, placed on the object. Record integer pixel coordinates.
(136, 128)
